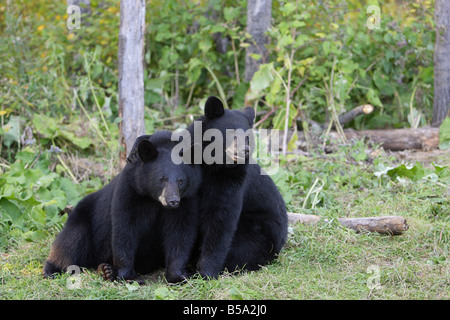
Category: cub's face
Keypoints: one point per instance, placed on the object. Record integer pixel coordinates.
(235, 127)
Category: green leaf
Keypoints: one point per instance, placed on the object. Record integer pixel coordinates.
(373, 98)
(288, 8)
(195, 66)
(292, 142)
(12, 131)
(45, 180)
(36, 236)
(47, 127)
(163, 32)
(255, 56)
(301, 39)
(239, 95)
(10, 209)
(69, 189)
(297, 24)
(414, 173)
(231, 13)
(341, 86)
(59, 198)
(82, 142)
(205, 45)
(279, 120)
(359, 155)
(285, 40)
(326, 46)
(38, 215)
(347, 66)
(261, 79)
(163, 293)
(441, 171)
(25, 195)
(26, 155)
(274, 93)
(235, 294)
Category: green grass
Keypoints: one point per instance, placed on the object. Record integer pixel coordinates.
(325, 261)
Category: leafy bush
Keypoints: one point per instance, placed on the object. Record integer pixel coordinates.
(335, 62)
(327, 62)
(32, 197)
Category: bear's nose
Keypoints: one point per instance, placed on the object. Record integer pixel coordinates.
(173, 203)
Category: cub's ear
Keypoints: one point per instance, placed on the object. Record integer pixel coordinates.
(250, 114)
(133, 155)
(147, 151)
(214, 108)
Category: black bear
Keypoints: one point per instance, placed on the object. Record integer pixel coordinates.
(145, 218)
(243, 220)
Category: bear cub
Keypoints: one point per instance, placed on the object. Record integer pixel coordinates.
(243, 220)
(144, 219)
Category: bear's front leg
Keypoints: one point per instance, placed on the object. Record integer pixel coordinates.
(124, 252)
(125, 242)
(219, 219)
(180, 229)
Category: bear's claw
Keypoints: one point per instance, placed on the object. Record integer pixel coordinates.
(107, 271)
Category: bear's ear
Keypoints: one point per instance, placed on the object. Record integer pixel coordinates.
(250, 114)
(214, 108)
(147, 151)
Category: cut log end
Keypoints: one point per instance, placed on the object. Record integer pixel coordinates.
(352, 114)
(391, 225)
(367, 108)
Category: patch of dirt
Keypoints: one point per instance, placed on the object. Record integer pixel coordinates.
(82, 167)
(440, 157)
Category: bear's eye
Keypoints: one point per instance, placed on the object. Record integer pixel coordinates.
(180, 181)
(161, 179)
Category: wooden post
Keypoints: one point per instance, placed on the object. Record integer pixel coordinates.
(131, 74)
(259, 14)
(441, 62)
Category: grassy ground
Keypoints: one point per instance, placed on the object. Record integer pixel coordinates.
(319, 262)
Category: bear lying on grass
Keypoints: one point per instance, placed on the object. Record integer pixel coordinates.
(243, 220)
(145, 218)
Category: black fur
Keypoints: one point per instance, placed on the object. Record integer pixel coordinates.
(243, 220)
(145, 218)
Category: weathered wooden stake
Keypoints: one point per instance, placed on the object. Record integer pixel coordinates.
(131, 74)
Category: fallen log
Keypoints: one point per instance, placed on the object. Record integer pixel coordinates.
(392, 225)
(390, 139)
(399, 139)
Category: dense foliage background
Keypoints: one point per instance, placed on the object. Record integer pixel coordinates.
(43, 63)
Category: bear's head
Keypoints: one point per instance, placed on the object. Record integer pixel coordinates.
(156, 176)
(235, 126)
